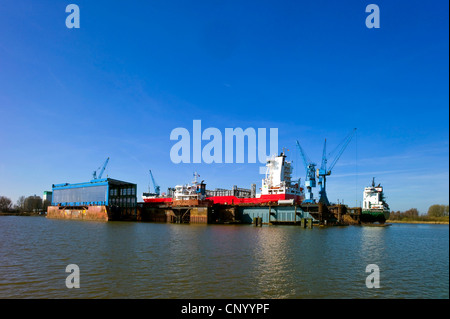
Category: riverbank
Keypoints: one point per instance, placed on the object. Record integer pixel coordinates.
(404, 221)
(21, 214)
(418, 222)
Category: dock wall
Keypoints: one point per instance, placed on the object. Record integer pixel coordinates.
(195, 215)
(99, 213)
(93, 212)
(215, 214)
(199, 215)
(272, 215)
(218, 214)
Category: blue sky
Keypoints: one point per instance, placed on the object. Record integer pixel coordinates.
(134, 71)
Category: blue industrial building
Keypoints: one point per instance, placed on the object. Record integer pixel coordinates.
(98, 199)
(101, 192)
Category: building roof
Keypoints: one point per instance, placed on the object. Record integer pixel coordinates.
(94, 182)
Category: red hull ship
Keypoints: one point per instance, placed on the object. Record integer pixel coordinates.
(277, 187)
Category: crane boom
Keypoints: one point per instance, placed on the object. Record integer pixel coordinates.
(310, 180)
(323, 172)
(156, 186)
(324, 156)
(102, 170)
(345, 143)
(305, 158)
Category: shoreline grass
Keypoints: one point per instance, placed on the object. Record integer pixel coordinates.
(423, 220)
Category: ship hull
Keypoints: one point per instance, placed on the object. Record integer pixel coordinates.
(158, 200)
(273, 198)
(372, 215)
(233, 200)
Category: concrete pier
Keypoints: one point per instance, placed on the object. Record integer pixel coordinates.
(203, 212)
(81, 213)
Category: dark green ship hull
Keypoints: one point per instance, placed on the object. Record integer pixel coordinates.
(373, 216)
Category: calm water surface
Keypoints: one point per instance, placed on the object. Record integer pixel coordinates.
(147, 260)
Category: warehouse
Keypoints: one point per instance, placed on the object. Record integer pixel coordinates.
(99, 199)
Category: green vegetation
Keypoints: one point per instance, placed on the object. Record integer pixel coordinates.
(25, 205)
(5, 204)
(435, 214)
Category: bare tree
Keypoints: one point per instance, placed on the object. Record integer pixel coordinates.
(46, 204)
(438, 210)
(5, 204)
(33, 204)
(20, 204)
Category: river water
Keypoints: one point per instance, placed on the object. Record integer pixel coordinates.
(152, 260)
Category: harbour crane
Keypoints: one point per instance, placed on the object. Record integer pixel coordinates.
(101, 171)
(155, 186)
(310, 180)
(323, 172)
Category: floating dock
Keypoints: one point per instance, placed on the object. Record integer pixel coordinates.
(280, 202)
(110, 199)
(100, 199)
(204, 212)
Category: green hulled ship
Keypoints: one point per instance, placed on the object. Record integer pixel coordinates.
(375, 208)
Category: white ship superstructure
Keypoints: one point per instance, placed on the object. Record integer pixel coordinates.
(195, 190)
(375, 207)
(374, 198)
(278, 178)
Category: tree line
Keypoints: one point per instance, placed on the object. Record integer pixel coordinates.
(30, 204)
(435, 213)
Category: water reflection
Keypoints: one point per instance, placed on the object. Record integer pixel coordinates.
(372, 244)
(147, 260)
(273, 269)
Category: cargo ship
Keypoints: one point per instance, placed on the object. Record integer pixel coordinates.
(375, 208)
(277, 187)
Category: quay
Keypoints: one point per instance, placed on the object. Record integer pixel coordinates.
(281, 202)
(116, 201)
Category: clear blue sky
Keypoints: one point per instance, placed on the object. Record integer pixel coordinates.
(135, 70)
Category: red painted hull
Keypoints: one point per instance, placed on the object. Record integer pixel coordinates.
(158, 200)
(233, 200)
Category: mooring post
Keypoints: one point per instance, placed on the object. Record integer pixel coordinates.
(270, 213)
(320, 206)
(295, 215)
(340, 213)
(302, 223)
